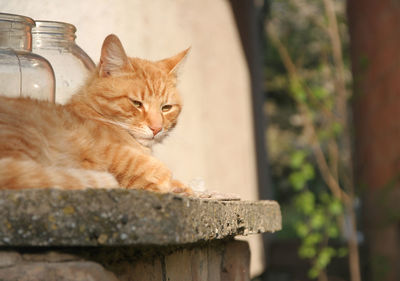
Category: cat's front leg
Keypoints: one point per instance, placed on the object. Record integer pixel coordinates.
(135, 169)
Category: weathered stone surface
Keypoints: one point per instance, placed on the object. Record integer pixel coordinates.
(51, 256)
(9, 258)
(48, 217)
(67, 271)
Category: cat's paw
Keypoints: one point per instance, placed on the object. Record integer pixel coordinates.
(179, 187)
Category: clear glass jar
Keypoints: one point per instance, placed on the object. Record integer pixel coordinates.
(22, 73)
(56, 42)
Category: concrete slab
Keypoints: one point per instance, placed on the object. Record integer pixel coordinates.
(49, 217)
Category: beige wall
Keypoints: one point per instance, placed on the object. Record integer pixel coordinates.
(214, 138)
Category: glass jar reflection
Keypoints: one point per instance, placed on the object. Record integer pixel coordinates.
(56, 42)
(22, 73)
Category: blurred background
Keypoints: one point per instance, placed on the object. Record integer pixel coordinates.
(291, 100)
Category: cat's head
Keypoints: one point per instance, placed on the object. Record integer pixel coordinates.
(135, 94)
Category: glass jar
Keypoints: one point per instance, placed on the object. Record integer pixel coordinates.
(22, 73)
(56, 42)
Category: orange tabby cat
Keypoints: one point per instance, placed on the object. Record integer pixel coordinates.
(102, 137)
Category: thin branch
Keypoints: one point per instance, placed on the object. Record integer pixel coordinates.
(283, 53)
(333, 158)
(330, 180)
(291, 67)
(333, 31)
(354, 259)
(326, 174)
(342, 92)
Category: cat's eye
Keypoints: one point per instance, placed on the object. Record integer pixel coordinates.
(166, 107)
(137, 103)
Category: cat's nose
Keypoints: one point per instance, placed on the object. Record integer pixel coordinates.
(155, 129)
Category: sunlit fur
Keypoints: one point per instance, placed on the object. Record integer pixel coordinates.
(112, 98)
(102, 137)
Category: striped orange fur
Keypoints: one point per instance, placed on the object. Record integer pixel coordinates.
(102, 137)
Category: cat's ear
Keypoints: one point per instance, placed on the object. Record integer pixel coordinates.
(172, 64)
(113, 59)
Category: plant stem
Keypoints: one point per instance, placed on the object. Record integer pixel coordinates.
(341, 102)
(322, 276)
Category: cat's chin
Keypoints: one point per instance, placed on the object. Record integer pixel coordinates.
(149, 141)
(146, 142)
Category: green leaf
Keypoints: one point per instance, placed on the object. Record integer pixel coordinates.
(319, 92)
(318, 220)
(337, 128)
(305, 202)
(333, 231)
(302, 229)
(325, 197)
(297, 90)
(325, 257)
(297, 159)
(308, 171)
(297, 180)
(307, 252)
(335, 207)
(313, 239)
(314, 272)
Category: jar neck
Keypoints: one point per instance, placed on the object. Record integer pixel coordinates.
(51, 34)
(15, 32)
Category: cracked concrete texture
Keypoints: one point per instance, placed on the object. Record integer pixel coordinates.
(49, 217)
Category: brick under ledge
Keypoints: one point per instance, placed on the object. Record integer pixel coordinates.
(127, 235)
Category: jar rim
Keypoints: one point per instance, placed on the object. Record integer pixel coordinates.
(17, 18)
(47, 26)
